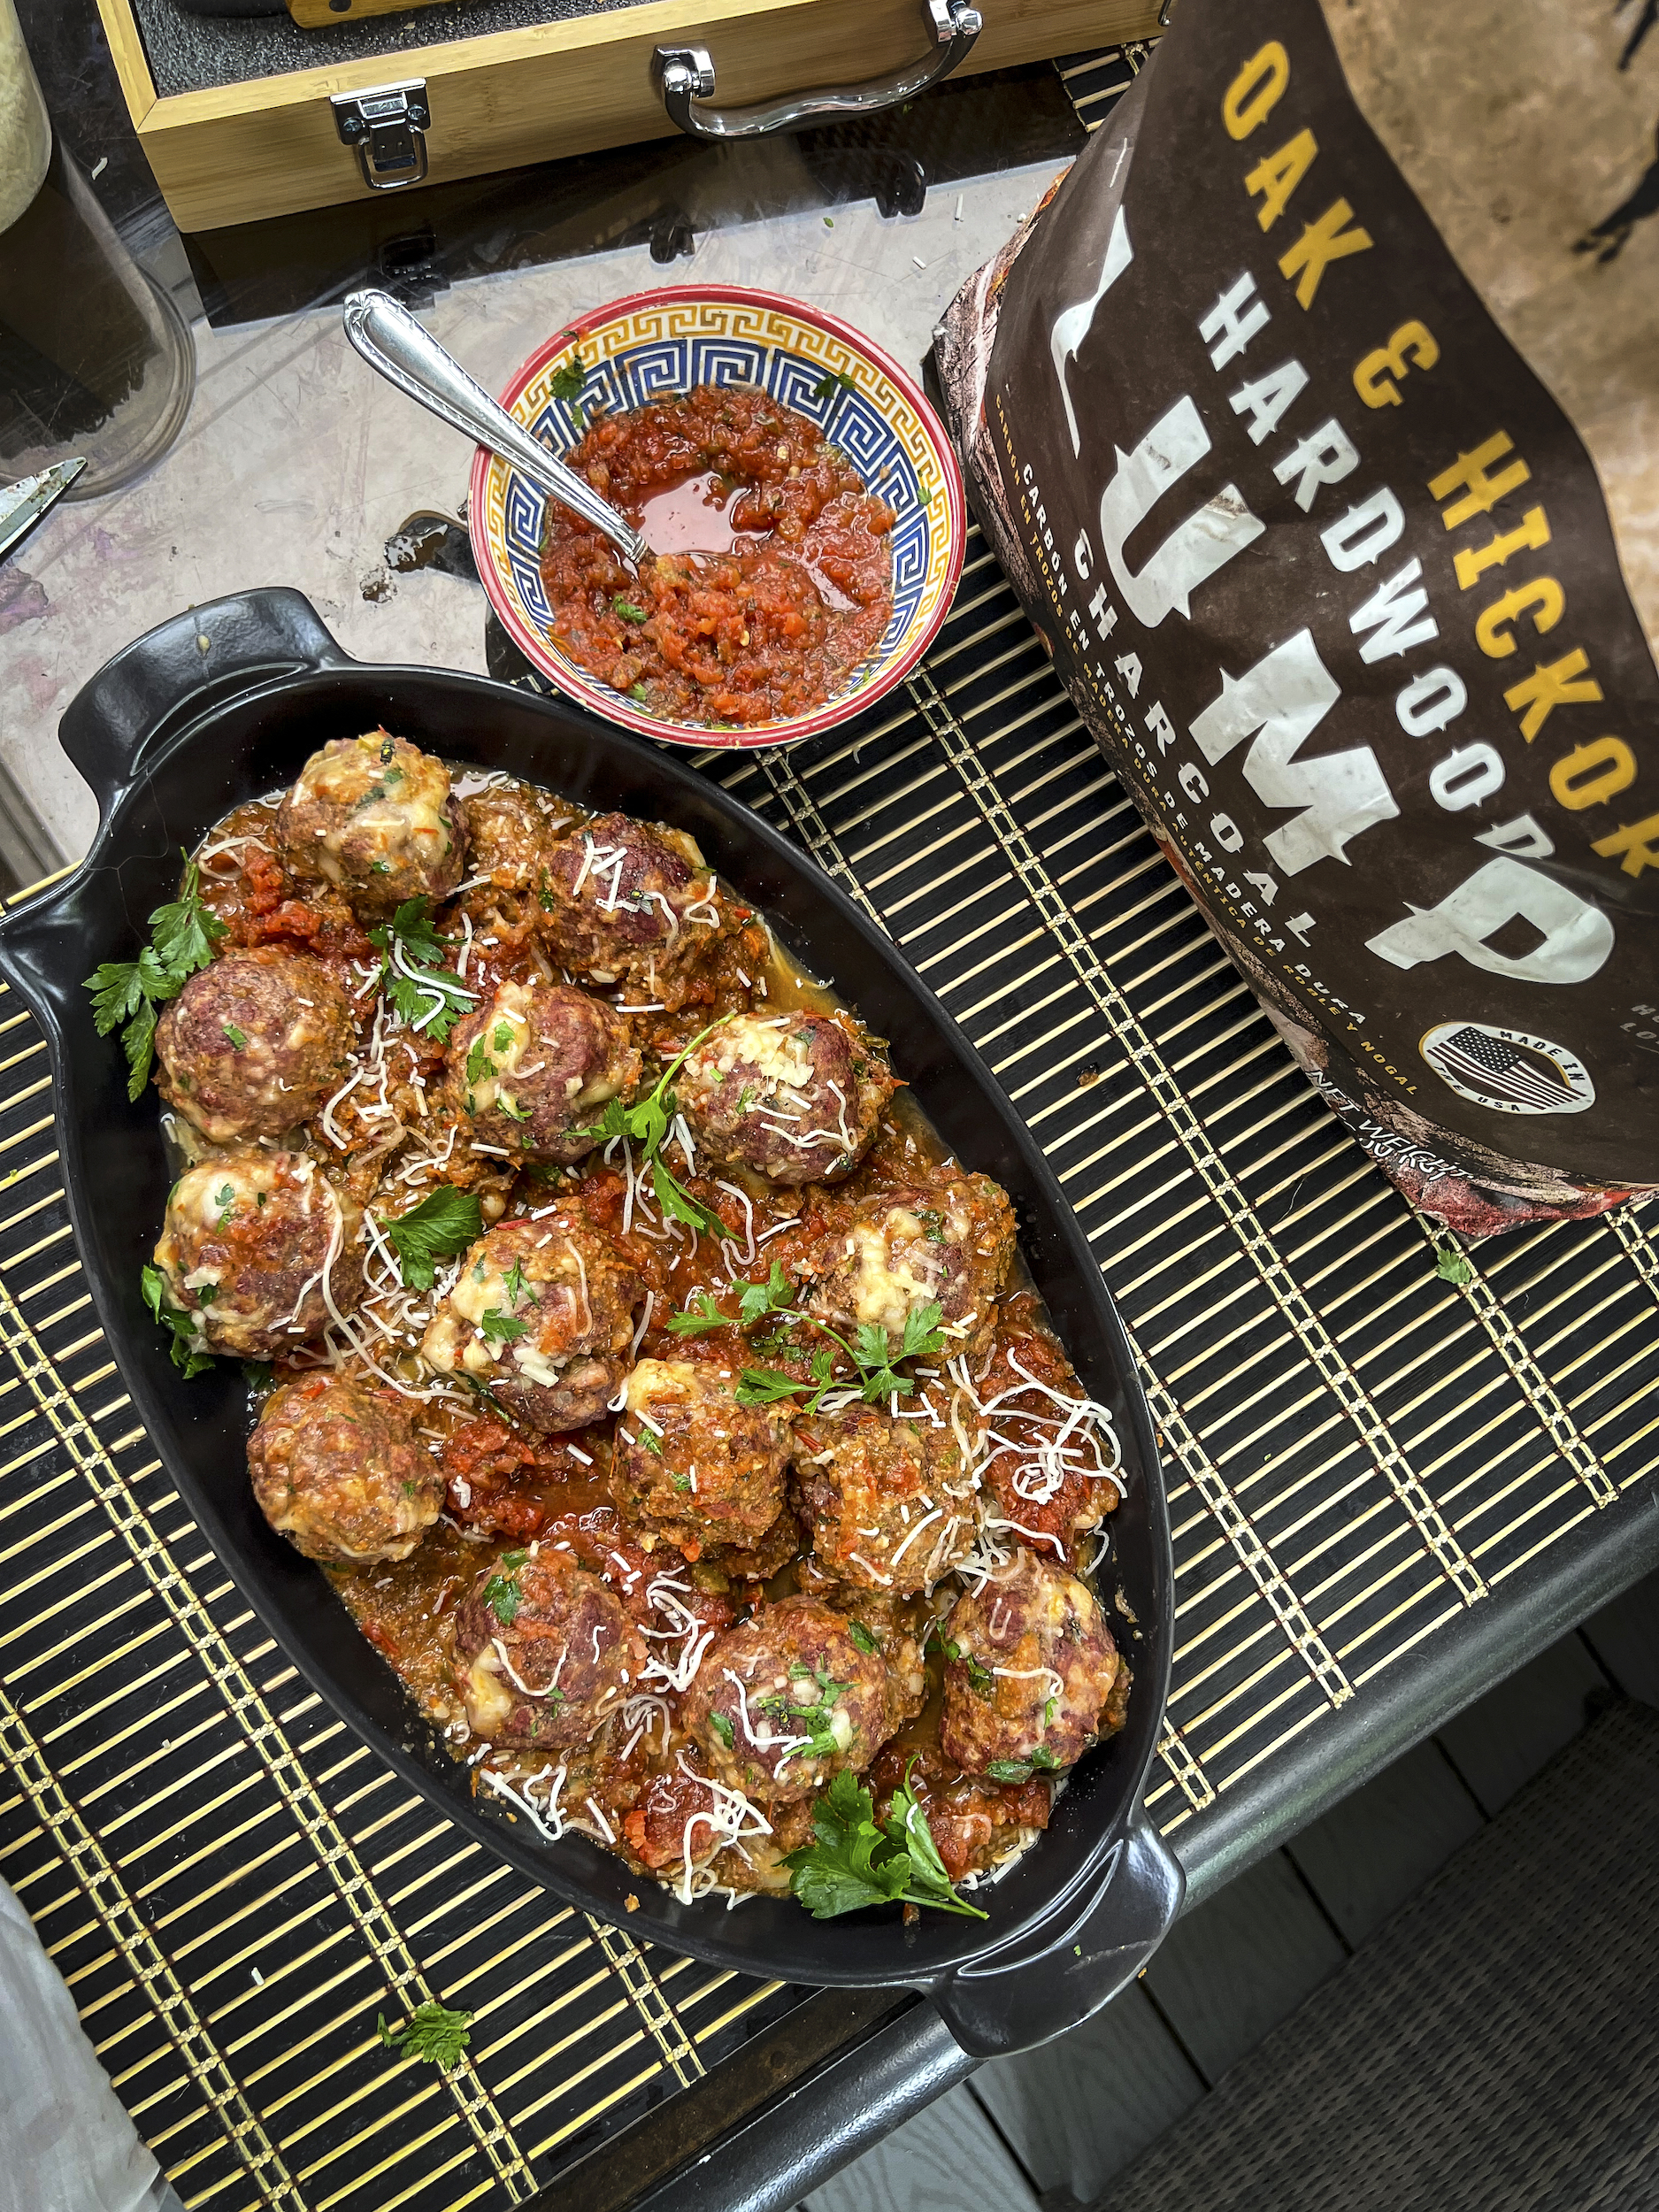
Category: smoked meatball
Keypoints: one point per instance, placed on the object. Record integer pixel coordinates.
(794, 1097)
(255, 1044)
(257, 1248)
(904, 1249)
(536, 1063)
(337, 1469)
(542, 1315)
(630, 905)
(1030, 1670)
(511, 828)
(889, 1502)
(787, 1700)
(692, 1464)
(373, 816)
(896, 1627)
(544, 1650)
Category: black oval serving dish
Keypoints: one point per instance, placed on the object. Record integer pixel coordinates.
(226, 702)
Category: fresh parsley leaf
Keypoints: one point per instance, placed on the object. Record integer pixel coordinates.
(906, 1824)
(981, 1681)
(238, 1037)
(500, 1328)
(1451, 1266)
(183, 932)
(1009, 1770)
(479, 1064)
(627, 608)
(186, 1347)
(638, 691)
(699, 1317)
(412, 974)
(518, 1289)
(837, 380)
(678, 1204)
(507, 1104)
(653, 1443)
(445, 1221)
(183, 935)
(501, 1036)
(413, 922)
(225, 1199)
(922, 1336)
(430, 2032)
(774, 1296)
(863, 1638)
(722, 1728)
(765, 1385)
(501, 1593)
(854, 1863)
(566, 382)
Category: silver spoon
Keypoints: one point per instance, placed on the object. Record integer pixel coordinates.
(406, 354)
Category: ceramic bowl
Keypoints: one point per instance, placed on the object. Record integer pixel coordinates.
(637, 350)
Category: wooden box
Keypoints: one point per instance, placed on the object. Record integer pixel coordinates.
(270, 146)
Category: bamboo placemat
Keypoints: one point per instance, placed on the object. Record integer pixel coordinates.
(1360, 1456)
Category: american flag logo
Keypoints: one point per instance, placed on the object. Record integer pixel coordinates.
(1515, 1074)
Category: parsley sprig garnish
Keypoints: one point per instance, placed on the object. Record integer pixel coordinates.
(430, 2032)
(875, 1362)
(497, 1327)
(646, 1124)
(445, 1221)
(435, 1000)
(186, 1346)
(181, 938)
(776, 1295)
(855, 1862)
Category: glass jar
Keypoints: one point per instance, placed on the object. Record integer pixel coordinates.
(95, 358)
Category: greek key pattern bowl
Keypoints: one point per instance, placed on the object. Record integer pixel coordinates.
(639, 349)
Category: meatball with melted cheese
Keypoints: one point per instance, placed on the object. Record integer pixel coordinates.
(337, 1469)
(1030, 1670)
(890, 1505)
(256, 1248)
(254, 1044)
(544, 1651)
(794, 1097)
(534, 1066)
(630, 905)
(542, 1316)
(787, 1700)
(906, 1250)
(692, 1464)
(373, 817)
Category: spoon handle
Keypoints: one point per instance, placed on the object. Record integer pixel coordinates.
(407, 355)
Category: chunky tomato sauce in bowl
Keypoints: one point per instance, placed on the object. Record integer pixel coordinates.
(803, 499)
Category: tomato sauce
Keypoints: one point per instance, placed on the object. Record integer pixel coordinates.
(795, 585)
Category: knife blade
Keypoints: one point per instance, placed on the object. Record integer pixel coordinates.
(23, 504)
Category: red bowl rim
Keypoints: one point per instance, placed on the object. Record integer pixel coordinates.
(534, 648)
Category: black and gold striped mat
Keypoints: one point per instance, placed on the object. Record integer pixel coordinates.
(1364, 1457)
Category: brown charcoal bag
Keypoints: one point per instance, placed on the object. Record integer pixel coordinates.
(1329, 573)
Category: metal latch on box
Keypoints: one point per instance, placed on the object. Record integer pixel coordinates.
(386, 124)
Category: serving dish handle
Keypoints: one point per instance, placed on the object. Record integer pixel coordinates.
(197, 662)
(1059, 1971)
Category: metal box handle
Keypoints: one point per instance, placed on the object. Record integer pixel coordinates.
(387, 125)
(684, 76)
